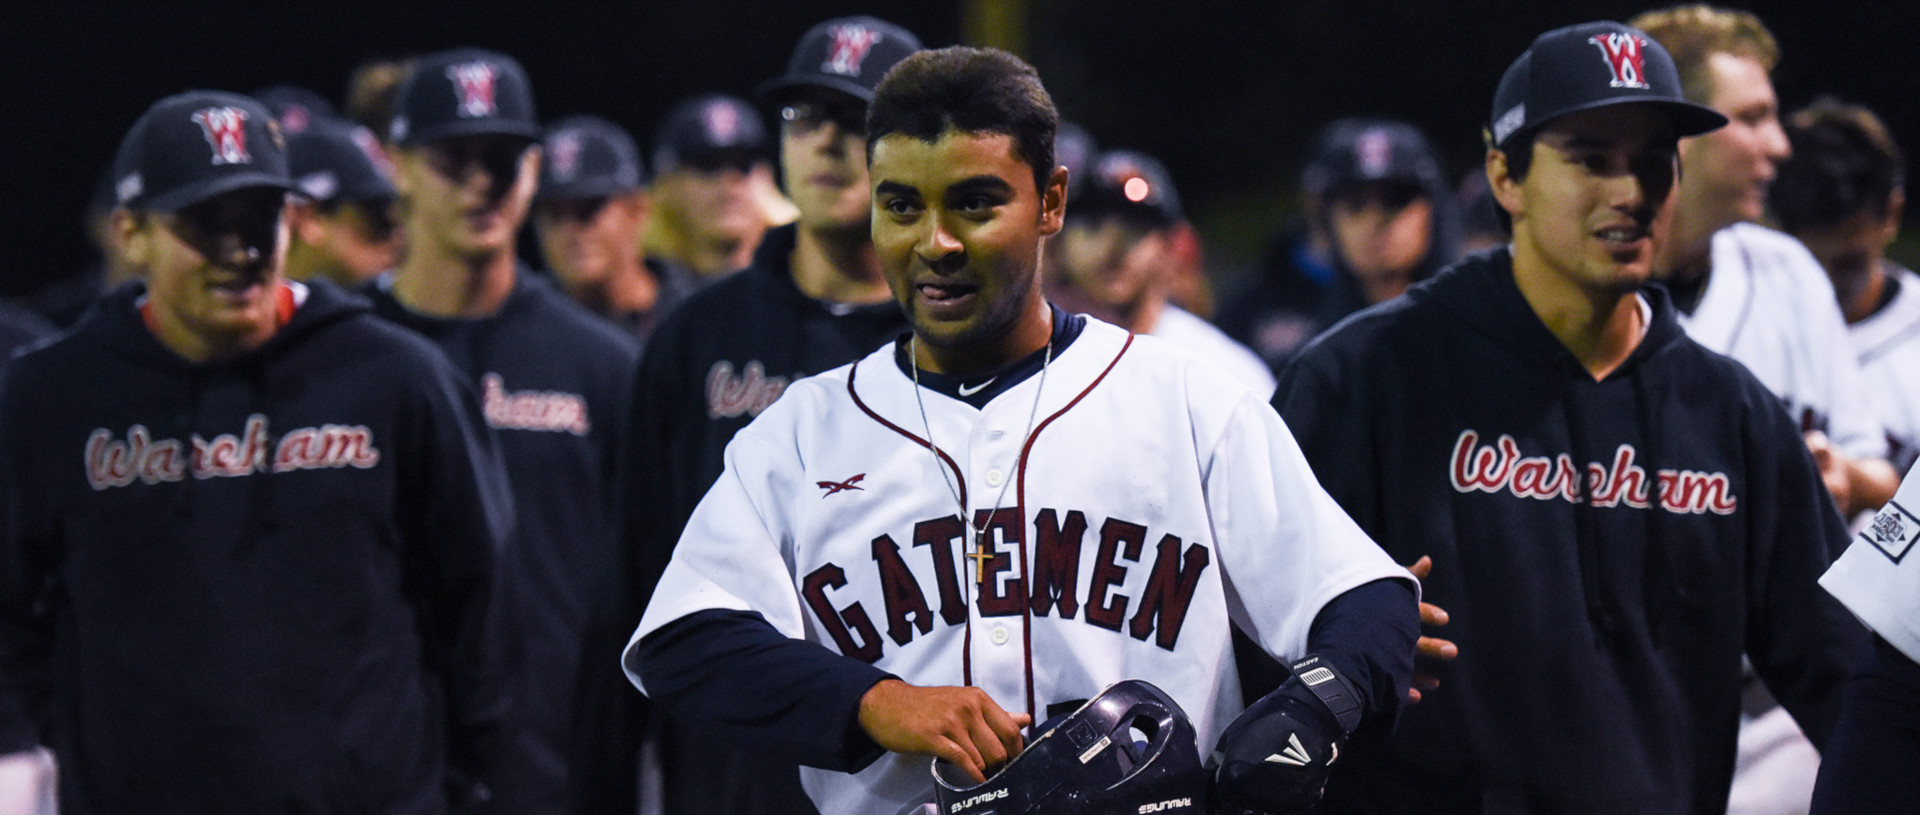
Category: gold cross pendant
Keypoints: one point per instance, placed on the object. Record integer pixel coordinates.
(979, 556)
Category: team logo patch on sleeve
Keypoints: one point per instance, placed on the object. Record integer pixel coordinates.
(1893, 531)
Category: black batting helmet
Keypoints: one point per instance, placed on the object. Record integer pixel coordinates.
(1130, 749)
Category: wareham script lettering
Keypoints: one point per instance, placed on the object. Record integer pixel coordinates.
(1501, 467)
(117, 462)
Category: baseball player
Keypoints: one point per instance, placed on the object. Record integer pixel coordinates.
(590, 216)
(251, 532)
(1747, 291)
(1615, 513)
(713, 188)
(1865, 767)
(342, 223)
(813, 299)
(553, 379)
(1009, 509)
(1842, 195)
(1113, 260)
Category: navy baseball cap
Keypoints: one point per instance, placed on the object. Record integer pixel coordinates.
(1357, 151)
(192, 146)
(589, 157)
(334, 159)
(709, 131)
(1074, 148)
(294, 106)
(1128, 184)
(846, 54)
(1587, 66)
(463, 92)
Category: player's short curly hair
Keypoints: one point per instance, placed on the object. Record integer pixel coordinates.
(1693, 33)
(972, 90)
(1844, 162)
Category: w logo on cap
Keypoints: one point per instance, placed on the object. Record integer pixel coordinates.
(473, 82)
(1625, 56)
(848, 49)
(566, 155)
(722, 122)
(226, 132)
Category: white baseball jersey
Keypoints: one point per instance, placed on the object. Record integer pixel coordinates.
(1878, 578)
(1769, 305)
(1180, 327)
(1157, 499)
(1888, 346)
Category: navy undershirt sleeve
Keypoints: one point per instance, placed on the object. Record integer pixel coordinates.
(733, 673)
(1367, 634)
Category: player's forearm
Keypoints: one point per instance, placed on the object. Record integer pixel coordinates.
(1873, 481)
(731, 671)
(1367, 634)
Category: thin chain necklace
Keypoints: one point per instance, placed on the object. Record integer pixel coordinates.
(979, 554)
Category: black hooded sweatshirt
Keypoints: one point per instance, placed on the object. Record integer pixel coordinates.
(259, 585)
(1606, 549)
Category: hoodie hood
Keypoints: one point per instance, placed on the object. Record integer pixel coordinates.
(317, 304)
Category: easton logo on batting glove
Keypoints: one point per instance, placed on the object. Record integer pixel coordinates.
(1275, 755)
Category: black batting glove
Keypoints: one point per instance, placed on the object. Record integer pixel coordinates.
(1274, 757)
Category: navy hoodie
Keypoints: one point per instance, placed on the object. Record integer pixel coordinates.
(258, 585)
(1606, 549)
(554, 379)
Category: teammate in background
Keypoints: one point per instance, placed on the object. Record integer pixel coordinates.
(1747, 291)
(371, 89)
(590, 214)
(554, 381)
(295, 107)
(1113, 261)
(1480, 227)
(813, 298)
(1842, 194)
(1867, 765)
(1615, 513)
(342, 224)
(713, 189)
(314, 510)
(1380, 216)
(885, 573)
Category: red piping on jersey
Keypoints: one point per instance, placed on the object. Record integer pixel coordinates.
(1020, 500)
(966, 524)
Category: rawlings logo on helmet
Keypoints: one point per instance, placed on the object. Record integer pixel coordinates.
(226, 132)
(473, 83)
(849, 49)
(1626, 58)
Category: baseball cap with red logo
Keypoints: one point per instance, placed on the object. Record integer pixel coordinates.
(846, 54)
(338, 160)
(1127, 184)
(192, 146)
(589, 157)
(1591, 65)
(464, 92)
(708, 133)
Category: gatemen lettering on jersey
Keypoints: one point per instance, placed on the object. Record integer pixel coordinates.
(112, 462)
(550, 411)
(893, 596)
(748, 393)
(1500, 467)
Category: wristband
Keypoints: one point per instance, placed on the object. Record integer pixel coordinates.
(1333, 690)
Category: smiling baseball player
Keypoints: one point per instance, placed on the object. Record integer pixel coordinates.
(1011, 508)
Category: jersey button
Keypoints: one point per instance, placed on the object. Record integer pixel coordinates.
(994, 477)
(1000, 635)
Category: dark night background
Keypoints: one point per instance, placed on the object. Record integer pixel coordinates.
(1227, 94)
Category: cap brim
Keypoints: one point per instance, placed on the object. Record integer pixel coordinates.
(474, 127)
(1689, 118)
(183, 197)
(777, 90)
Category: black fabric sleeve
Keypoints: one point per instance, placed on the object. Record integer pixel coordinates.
(1868, 764)
(1801, 640)
(26, 571)
(732, 673)
(1367, 635)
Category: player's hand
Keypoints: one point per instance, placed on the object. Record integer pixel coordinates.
(1428, 647)
(1274, 757)
(961, 725)
(1836, 470)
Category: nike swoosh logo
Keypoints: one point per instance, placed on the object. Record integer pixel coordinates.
(966, 391)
